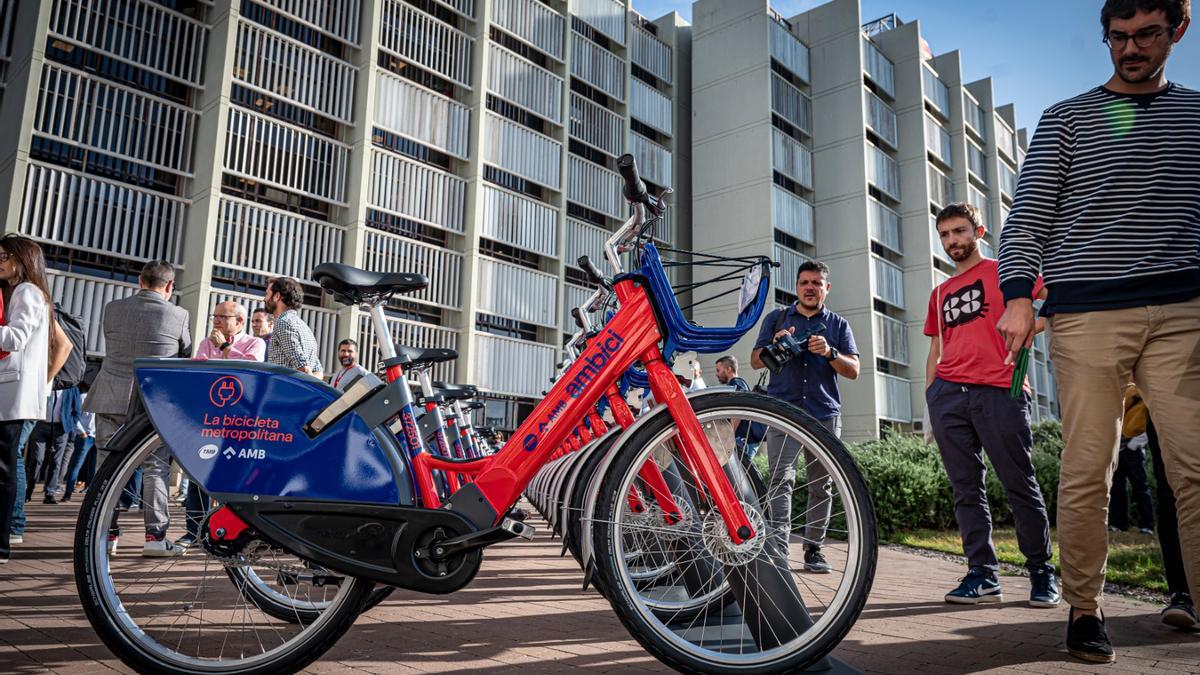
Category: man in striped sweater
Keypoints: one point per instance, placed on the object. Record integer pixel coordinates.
(1108, 210)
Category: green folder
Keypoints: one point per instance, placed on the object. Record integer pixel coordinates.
(1018, 379)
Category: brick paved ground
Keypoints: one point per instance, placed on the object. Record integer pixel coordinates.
(525, 613)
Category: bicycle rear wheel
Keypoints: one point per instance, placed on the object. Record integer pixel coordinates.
(777, 617)
(182, 614)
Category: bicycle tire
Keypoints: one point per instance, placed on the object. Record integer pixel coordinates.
(104, 611)
(622, 596)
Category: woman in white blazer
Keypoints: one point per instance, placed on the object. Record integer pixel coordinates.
(26, 336)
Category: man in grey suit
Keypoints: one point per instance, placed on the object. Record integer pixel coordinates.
(143, 325)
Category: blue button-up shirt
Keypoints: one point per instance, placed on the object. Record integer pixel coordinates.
(808, 380)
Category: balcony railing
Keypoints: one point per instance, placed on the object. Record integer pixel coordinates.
(514, 367)
(339, 19)
(650, 53)
(791, 104)
(425, 116)
(606, 16)
(789, 268)
(410, 334)
(597, 66)
(134, 32)
(981, 202)
(937, 141)
(1008, 180)
(885, 225)
(935, 242)
(262, 240)
(410, 189)
(93, 214)
(280, 66)
(883, 172)
(792, 215)
(516, 292)
(936, 91)
(887, 282)
(941, 189)
(791, 158)
(323, 322)
(425, 41)
(789, 51)
(533, 22)
(386, 252)
(653, 160)
(285, 156)
(585, 239)
(522, 151)
(878, 68)
(596, 125)
(880, 118)
(90, 112)
(891, 339)
(1006, 141)
(650, 106)
(595, 187)
(975, 117)
(519, 221)
(521, 81)
(893, 398)
(85, 297)
(977, 162)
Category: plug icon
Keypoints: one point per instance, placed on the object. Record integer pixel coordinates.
(225, 391)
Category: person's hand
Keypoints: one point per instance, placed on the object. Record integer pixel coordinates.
(81, 434)
(1016, 326)
(785, 331)
(818, 345)
(218, 338)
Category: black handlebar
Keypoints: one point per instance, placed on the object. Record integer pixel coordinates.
(588, 267)
(635, 189)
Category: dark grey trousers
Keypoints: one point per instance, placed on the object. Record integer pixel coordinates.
(969, 420)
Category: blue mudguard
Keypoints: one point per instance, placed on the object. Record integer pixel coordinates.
(237, 428)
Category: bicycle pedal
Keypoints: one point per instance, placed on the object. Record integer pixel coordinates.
(518, 528)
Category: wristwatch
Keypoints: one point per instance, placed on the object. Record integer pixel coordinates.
(833, 353)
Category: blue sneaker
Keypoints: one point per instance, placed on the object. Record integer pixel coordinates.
(1043, 589)
(977, 587)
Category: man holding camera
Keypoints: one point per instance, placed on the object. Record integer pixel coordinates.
(806, 347)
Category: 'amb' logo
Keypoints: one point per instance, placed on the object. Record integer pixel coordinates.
(227, 390)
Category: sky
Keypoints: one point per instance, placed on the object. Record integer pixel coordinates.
(1038, 52)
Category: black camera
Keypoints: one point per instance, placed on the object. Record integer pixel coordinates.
(777, 354)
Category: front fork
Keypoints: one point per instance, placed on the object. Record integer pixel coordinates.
(697, 452)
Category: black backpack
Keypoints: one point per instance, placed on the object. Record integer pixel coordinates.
(72, 371)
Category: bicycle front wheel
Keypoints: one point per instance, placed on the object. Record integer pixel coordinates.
(779, 612)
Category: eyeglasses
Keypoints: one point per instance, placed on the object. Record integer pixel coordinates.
(226, 316)
(1145, 37)
(5, 256)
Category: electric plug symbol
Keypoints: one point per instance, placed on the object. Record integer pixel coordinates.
(225, 391)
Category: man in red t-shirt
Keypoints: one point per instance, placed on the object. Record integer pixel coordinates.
(968, 380)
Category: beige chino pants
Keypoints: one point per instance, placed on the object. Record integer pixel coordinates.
(1094, 354)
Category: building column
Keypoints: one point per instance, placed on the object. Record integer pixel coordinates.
(194, 285)
(18, 106)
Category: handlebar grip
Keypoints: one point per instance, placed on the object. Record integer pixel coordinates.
(635, 189)
(585, 264)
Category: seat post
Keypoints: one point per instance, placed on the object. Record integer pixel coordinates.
(382, 334)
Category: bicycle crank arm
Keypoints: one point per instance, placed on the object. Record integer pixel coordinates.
(507, 529)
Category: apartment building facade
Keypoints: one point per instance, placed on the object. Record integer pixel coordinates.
(473, 141)
(826, 136)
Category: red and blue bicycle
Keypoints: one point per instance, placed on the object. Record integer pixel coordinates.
(321, 495)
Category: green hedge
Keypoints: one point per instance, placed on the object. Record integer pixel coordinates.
(910, 488)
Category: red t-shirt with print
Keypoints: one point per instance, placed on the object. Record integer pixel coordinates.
(973, 351)
(3, 354)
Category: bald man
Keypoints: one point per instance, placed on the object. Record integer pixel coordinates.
(229, 339)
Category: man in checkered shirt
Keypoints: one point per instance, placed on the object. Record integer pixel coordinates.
(293, 344)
